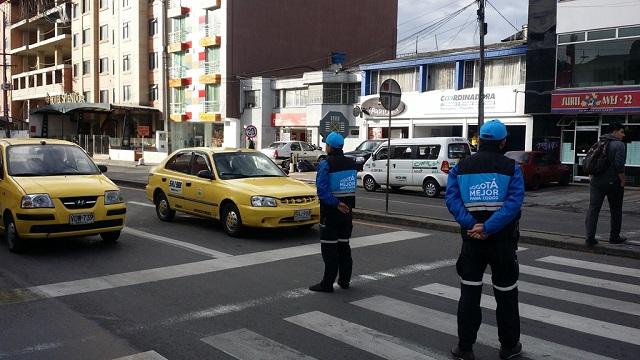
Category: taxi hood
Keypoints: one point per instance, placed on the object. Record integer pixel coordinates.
(66, 185)
(278, 187)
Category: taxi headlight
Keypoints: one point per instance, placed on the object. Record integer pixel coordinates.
(263, 201)
(112, 197)
(359, 159)
(32, 201)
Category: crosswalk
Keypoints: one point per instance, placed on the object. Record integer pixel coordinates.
(249, 344)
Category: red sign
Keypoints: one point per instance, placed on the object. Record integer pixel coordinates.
(143, 131)
(613, 100)
(288, 119)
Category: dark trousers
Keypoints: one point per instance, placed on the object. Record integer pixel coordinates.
(597, 192)
(335, 231)
(472, 262)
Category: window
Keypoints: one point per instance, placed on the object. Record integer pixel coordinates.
(103, 4)
(126, 66)
(104, 32)
(75, 40)
(503, 71)
(630, 31)
(568, 38)
(406, 78)
(74, 11)
(199, 163)
(86, 67)
(125, 30)
(153, 60)
(427, 152)
(86, 36)
(276, 99)
(251, 99)
(104, 65)
(459, 151)
(212, 98)
(104, 96)
(601, 34)
(180, 162)
(75, 69)
(441, 76)
(126, 93)
(295, 146)
(401, 152)
(307, 147)
(468, 74)
(332, 93)
(153, 27)
(153, 92)
(125, 3)
(85, 6)
(87, 96)
(296, 97)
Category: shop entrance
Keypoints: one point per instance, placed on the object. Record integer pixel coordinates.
(585, 138)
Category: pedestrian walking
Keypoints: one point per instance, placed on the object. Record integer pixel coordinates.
(609, 183)
(485, 193)
(336, 183)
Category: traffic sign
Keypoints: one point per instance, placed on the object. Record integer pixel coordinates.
(334, 121)
(390, 94)
(251, 131)
(143, 131)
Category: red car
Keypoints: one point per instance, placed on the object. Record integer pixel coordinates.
(540, 168)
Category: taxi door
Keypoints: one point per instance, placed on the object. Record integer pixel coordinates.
(173, 179)
(199, 191)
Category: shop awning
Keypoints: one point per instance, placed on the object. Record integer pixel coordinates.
(65, 108)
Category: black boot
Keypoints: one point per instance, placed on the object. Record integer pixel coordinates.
(462, 354)
(321, 288)
(511, 353)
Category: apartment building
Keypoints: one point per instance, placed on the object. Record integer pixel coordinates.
(215, 44)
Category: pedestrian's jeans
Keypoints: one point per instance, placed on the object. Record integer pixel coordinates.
(614, 193)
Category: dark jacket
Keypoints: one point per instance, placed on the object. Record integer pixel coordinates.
(617, 155)
(336, 181)
(486, 188)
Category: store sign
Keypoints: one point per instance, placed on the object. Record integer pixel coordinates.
(373, 107)
(289, 119)
(596, 101)
(73, 97)
(466, 102)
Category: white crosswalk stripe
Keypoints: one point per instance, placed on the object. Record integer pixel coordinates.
(363, 338)
(575, 297)
(553, 317)
(147, 355)
(487, 334)
(245, 344)
(580, 279)
(581, 264)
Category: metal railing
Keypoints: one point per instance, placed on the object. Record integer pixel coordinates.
(177, 72)
(211, 29)
(211, 106)
(177, 36)
(212, 67)
(177, 108)
(94, 144)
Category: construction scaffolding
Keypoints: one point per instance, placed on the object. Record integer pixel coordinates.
(50, 9)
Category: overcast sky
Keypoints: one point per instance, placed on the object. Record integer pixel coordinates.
(414, 15)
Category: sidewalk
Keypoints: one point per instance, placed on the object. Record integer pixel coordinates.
(572, 198)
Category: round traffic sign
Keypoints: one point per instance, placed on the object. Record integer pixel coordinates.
(390, 94)
(251, 131)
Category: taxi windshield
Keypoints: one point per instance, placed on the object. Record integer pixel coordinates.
(49, 160)
(240, 165)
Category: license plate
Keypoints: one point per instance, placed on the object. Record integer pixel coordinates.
(304, 214)
(80, 219)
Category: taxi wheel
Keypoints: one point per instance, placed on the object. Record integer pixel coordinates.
(369, 183)
(231, 220)
(431, 188)
(14, 242)
(110, 237)
(163, 209)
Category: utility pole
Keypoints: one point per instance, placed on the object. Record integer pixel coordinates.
(483, 32)
(5, 85)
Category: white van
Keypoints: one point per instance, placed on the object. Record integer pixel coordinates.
(421, 162)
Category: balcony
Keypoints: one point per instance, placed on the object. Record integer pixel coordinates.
(54, 80)
(56, 38)
(178, 76)
(177, 41)
(178, 111)
(211, 4)
(211, 35)
(211, 111)
(211, 73)
(177, 8)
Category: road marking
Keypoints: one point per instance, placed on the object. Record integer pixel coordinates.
(364, 338)
(181, 244)
(568, 321)
(634, 242)
(147, 355)
(575, 297)
(581, 280)
(31, 349)
(447, 323)
(378, 225)
(244, 344)
(613, 269)
(182, 270)
(141, 204)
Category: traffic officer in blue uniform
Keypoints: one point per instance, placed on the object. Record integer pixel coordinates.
(336, 181)
(485, 193)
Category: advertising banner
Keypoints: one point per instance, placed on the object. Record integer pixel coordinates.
(587, 101)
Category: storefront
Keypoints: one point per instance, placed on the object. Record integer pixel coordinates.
(586, 115)
(451, 113)
(293, 127)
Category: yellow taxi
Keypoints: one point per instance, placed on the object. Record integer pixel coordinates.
(240, 187)
(52, 189)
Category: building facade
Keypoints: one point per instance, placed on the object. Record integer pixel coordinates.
(440, 94)
(214, 45)
(588, 76)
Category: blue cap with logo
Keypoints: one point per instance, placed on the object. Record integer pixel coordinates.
(493, 130)
(334, 140)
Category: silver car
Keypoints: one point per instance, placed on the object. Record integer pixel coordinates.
(280, 152)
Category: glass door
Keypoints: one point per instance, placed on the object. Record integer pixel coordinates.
(585, 138)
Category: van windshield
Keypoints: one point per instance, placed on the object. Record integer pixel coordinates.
(459, 151)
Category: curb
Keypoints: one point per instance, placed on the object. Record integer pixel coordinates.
(555, 240)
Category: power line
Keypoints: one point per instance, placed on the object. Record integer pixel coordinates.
(499, 13)
(436, 24)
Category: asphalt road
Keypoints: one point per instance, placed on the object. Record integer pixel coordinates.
(184, 290)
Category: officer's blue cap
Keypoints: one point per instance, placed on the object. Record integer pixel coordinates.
(335, 140)
(493, 130)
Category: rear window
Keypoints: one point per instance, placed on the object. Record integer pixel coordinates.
(276, 145)
(459, 150)
(428, 152)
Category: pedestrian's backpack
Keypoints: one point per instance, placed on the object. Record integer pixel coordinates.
(596, 162)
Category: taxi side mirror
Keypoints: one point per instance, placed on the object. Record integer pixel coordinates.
(102, 168)
(205, 174)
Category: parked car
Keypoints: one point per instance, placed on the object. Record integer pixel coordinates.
(280, 152)
(53, 189)
(363, 152)
(240, 187)
(421, 162)
(540, 168)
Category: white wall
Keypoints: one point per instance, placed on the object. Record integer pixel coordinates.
(578, 15)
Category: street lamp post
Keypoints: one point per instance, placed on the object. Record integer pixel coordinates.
(5, 85)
